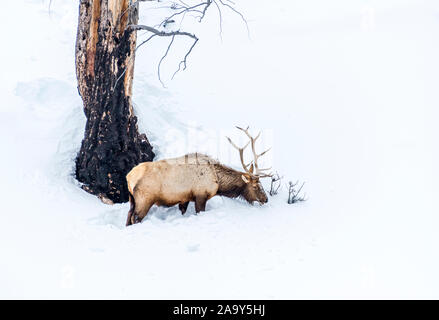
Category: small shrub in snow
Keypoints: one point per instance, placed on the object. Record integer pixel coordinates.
(276, 181)
(294, 194)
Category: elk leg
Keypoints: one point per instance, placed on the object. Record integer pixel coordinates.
(130, 213)
(200, 203)
(183, 207)
(140, 211)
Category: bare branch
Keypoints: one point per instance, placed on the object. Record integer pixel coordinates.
(162, 33)
(237, 12)
(145, 41)
(181, 10)
(183, 62)
(166, 53)
(220, 19)
(209, 2)
(172, 34)
(185, 9)
(276, 183)
(293, 194)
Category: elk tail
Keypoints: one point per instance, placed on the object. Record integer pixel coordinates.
(132, 208)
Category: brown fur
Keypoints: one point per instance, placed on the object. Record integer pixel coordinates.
(193, 177)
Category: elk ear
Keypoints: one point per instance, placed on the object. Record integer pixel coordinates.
(251, 168)
(245, 178)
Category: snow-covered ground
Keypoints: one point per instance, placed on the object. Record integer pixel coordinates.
(345, 91)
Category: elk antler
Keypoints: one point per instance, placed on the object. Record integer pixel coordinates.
(259, 172)
(254, 163)
(241, 155)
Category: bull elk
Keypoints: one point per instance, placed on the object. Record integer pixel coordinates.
(193, 177)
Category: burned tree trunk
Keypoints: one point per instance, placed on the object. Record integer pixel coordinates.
(105, 50)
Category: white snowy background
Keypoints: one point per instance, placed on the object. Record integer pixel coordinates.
(346, 92)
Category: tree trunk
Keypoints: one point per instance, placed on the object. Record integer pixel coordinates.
(105, 52)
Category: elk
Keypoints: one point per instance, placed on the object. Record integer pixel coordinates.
(193, 177)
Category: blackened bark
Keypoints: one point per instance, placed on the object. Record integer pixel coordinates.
(112, 145)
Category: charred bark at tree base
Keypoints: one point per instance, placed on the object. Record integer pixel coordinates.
(112, 145)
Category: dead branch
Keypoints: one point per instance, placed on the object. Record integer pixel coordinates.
(166, 53)
(293, 194)
(220, 16)
(161, 33)
(237, 12)
(181, 10)
(275, 184)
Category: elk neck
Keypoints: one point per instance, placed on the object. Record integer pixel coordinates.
(230, 183)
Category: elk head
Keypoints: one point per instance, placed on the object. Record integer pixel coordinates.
(253, 190)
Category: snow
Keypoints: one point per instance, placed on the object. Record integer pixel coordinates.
(344, 91)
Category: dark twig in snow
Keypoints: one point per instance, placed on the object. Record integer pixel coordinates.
(276, 182)
(293, 194)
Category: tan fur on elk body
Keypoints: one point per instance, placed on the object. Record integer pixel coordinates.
(193, 177)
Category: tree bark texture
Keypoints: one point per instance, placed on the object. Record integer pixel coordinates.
(105, 52)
